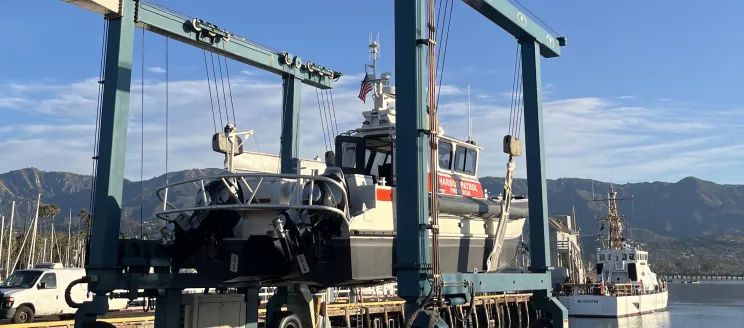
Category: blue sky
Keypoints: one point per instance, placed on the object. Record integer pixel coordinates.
(641, 93)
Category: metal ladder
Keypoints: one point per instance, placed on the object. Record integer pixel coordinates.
(360, 307)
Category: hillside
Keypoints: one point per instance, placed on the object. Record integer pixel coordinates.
(688, 208)
(72, 191)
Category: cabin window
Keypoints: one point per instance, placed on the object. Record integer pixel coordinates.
(348, 156)
(460, 159)
(631, 257)
(470, 161)
(601, 257)
(445, 155)
(375, 160)
(364, 156)
(625, 257)
(49, 279)
(465, 160)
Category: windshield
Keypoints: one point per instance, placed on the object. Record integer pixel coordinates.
(21, 279)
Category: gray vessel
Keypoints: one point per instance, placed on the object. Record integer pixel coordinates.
(333, 223)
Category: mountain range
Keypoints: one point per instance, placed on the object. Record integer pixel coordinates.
(687, 208)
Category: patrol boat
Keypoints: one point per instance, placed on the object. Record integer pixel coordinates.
(625, 284)
(333, 223)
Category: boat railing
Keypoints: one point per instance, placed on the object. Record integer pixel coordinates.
(611, 289)
(250, 201)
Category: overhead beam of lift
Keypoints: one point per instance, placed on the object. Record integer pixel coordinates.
(512, 20)
(209, 37)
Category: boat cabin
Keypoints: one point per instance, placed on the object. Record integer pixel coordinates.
(370, 152)
(623, 266)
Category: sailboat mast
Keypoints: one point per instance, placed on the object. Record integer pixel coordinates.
(2, 235)
(33, 235)
(10, 241)
(69, 238)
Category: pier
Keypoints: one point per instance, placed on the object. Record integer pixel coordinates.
(702, 276)
(501, 310)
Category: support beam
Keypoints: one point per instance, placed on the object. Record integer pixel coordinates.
(493, 283)
(290, 145)
(509, 18)
(536, 186)
(533, 133)
(411, 143)
(109, 184)
(168, 309)
(209, 37)
(251, 306)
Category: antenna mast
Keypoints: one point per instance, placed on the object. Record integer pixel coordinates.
(615, 237)
(470, 139)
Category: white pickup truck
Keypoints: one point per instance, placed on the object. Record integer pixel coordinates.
(40, 291)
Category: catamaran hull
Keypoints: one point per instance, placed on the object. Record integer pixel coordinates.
(598, 306)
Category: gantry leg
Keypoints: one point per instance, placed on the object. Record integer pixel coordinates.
(275, 303)
(536, 187)
(300, 302)
(168, 309)
(412, 146)
(251, 306)
(102, 260)
(290, 146)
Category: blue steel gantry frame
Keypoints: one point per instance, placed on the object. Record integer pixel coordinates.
(110, 256)
(413, 265)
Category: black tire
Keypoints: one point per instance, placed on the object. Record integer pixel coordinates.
(23, 314)
(285, 319)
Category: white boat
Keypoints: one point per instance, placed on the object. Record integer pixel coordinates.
(334, 222)
(626, 284)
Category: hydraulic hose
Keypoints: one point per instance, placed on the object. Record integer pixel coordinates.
(68, 292)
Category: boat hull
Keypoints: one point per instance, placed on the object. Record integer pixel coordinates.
(598, 306)
(356, 261)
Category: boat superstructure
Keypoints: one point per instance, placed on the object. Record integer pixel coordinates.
(332, 222)
(625, 284)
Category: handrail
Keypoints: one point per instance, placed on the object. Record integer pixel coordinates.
(162, 194)
(162, 215)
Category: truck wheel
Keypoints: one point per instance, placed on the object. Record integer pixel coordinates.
(23, 314)
(285, 319)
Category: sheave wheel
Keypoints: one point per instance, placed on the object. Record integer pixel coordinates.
(285, 319)
(23, 314)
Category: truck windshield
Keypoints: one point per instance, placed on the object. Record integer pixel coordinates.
(21, 279)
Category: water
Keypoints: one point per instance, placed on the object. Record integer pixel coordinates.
(709, 304)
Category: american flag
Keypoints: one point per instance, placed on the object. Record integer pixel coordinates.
(365, 88)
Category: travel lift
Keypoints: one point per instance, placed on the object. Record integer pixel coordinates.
(116, 264)
(415, 267)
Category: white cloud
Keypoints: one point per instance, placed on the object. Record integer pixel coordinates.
(11, 102)
(584, 137)
(156, 69)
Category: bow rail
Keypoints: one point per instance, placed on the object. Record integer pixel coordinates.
(294, 195)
